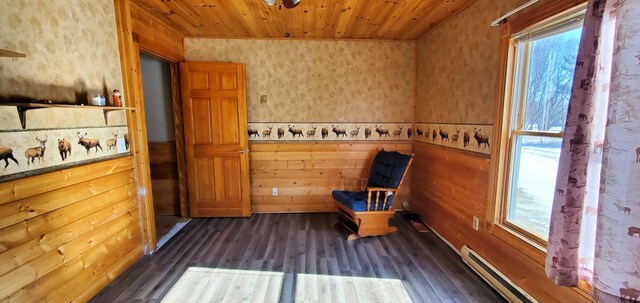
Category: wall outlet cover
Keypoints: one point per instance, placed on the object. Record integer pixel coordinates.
(476, 223)
(274, 191)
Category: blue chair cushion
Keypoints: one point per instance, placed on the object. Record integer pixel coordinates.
(387, 169)
(357, 200)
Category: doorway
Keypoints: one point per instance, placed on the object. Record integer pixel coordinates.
(161, 137)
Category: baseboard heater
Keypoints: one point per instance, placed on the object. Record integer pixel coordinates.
(494, 277)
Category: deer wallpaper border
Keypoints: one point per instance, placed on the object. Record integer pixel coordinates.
(469, 137)
(58, 138)
(328, 131)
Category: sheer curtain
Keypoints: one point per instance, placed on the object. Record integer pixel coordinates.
(617, 254)
(594, 234)
(570, 248)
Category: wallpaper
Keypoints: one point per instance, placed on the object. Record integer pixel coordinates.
(56, 138)
(458, 66)
(71, 48)
(319, 81)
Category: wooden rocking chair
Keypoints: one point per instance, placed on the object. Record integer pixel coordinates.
(365, 210)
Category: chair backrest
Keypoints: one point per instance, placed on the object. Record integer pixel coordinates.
(388, 169)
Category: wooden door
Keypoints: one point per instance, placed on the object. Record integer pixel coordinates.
(215, 127)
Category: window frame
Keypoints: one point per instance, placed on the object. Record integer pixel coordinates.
(520, 54)
(543, 17)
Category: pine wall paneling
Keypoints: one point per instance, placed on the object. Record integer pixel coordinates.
(130, 61)
(65, 240)
(164, 178)
(155, 36)
(449, 187)
(305, 173)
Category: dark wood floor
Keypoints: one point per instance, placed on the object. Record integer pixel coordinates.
(305, 245)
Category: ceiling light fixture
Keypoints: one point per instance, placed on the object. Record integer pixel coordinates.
(285, 3)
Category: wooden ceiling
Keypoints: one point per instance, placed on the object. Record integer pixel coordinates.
(317, 19)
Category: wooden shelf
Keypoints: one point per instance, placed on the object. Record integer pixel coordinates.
(24, 107)
(11, 54)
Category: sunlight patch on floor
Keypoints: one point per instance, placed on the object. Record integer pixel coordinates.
(326, 288)
(200, 284)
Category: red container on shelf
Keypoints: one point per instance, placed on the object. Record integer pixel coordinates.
(117, 98)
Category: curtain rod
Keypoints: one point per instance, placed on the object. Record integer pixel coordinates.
(505, 16)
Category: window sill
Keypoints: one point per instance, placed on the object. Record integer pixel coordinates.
(535, 251)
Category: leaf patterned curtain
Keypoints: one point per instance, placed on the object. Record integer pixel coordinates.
(594, 234)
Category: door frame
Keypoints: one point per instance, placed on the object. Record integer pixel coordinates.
(129, 49)
(178, 126)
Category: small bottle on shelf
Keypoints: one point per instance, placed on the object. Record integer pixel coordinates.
(117, 98)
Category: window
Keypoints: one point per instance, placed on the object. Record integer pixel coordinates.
(543, 59)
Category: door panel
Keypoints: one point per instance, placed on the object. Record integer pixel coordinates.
(229, 114)
(201, 113)
(215, 115)
(228, 81)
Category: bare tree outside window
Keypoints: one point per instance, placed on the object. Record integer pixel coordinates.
(551, 66)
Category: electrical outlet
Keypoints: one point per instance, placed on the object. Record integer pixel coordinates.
(476, 223)
(274, 191)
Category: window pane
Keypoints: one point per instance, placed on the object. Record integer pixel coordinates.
(552, 61)
(533, 181)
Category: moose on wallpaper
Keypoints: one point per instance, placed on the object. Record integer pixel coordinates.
(89, 143)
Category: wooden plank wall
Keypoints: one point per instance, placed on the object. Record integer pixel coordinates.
(164, 178)
(449, 188)
(155, 36)
(305, 173)
(65, 235)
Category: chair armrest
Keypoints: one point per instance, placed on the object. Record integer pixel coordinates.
(381, 189)
(375, 193)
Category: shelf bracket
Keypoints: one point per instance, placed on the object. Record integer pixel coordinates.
(22, 114)
(106, 112)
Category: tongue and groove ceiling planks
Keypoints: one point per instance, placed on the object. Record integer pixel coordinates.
(317, 19)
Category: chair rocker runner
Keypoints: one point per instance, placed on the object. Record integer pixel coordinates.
(366, 211)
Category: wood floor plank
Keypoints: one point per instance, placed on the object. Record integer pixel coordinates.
(297, 257)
